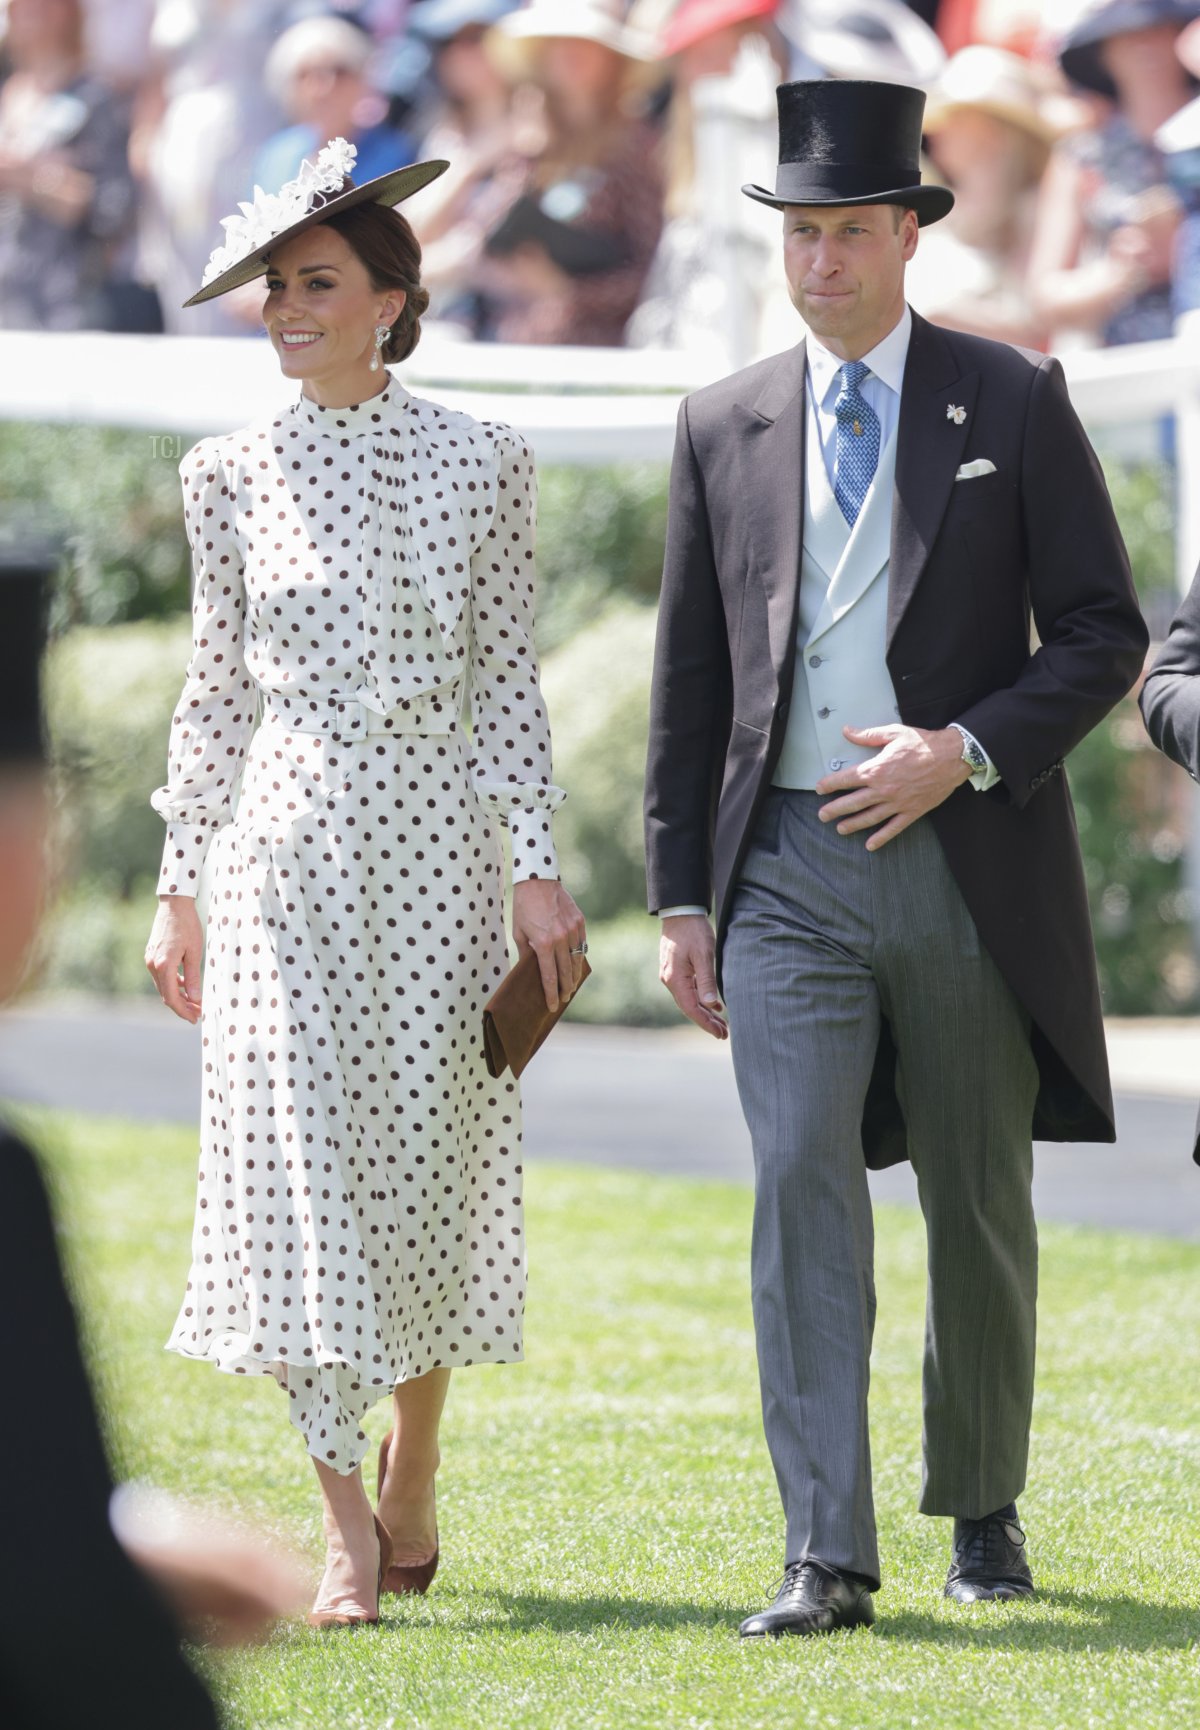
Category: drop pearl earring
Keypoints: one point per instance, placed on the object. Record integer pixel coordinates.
(382, 332)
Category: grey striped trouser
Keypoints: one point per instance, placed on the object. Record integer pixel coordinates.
(824, 939)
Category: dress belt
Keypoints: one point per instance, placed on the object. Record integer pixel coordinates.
(351, 717)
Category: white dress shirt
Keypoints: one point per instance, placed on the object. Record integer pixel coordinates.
(881, 388)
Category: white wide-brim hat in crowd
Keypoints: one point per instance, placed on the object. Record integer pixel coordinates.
(883, 40)
(991, 81)
(516, 42)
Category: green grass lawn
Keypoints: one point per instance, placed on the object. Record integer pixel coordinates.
(607, 1509)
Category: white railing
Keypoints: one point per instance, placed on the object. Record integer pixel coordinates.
(577, 406)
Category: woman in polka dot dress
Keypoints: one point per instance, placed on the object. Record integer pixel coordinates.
(363, 664)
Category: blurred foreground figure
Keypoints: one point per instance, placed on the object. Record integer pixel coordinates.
(857, 760)
(84, 1637)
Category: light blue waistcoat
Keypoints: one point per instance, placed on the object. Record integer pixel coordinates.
(841, 676)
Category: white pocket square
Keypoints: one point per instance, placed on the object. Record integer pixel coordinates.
(969, 471)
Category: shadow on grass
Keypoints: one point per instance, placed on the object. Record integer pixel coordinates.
(1084, 1621)
(532, 1612)
(1091, 1623)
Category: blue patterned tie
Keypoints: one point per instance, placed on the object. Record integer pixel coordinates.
(857, 451)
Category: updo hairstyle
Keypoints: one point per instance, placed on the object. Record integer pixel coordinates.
(383, 239)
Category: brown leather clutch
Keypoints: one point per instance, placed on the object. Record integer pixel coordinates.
(516, 1023)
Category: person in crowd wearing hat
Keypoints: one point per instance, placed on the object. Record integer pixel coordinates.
(364, 575)
(712, 248)
(319, 73)
(1103, 246)
(567, 262)
(477, 130)
(856, 759)
(200, 118)
(989, 139)
(123, 1645)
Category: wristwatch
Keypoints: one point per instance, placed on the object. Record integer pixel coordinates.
(972, 751)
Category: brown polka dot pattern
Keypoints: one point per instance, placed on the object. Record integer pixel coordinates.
(364, 583)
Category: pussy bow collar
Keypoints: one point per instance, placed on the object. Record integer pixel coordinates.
(416, 542)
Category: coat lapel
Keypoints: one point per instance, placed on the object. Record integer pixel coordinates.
(929, 448)
(771, 470)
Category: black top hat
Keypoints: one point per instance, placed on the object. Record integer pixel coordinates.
(24, 591)
(1080, 56)
(847, 141)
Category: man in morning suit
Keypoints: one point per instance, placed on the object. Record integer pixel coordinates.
(856, 753)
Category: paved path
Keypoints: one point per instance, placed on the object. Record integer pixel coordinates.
(657, 1101)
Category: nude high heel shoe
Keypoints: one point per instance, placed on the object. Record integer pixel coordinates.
(400, 1577)
(343, 1618)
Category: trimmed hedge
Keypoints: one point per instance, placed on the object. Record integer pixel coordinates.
(112, 686)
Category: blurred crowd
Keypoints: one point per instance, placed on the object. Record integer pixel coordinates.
(596, 147)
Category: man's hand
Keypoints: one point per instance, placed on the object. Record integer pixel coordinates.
(688, 969)
(912, 773)
(546, 920)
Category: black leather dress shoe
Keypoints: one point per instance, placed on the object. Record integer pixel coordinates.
(813, 1599)
(988, 1560)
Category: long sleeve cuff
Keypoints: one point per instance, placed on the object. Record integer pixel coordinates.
(184, 853)
(689, 907)
(532, 837)
(981, 779)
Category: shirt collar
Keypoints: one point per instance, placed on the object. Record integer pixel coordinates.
(886, 360)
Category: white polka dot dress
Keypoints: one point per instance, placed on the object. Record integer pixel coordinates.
(363, 665)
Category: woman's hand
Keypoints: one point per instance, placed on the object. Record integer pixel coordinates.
(173, 953)
(546, 920)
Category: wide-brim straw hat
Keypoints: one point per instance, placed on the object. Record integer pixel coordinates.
(864, 39)
(846, 141)
(322, 189)
(1080, 54)
(990, 81)
(516, 42)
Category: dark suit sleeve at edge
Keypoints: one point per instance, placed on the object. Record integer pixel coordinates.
(1093, 639)
(690, 699)
(84, 1638)
(1170, 697)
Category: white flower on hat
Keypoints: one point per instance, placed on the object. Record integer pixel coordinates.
(270, 213)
